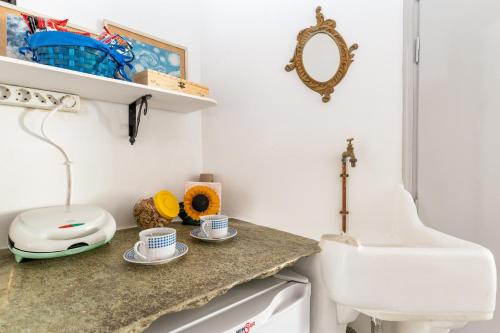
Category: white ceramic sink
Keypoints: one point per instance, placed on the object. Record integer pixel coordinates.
(415, 274)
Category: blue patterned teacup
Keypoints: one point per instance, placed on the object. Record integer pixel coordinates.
(214, 226)
(156, 244)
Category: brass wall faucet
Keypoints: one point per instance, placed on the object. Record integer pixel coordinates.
(347, 155)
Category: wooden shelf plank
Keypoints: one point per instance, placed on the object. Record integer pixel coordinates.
(29, 74)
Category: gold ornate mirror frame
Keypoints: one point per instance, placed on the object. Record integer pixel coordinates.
(325, 89)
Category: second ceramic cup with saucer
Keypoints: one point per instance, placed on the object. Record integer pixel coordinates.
(214, 228)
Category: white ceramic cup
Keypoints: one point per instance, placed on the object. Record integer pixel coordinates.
(214, 226)
(156, 244)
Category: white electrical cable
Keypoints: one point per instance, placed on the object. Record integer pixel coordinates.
(67, 162)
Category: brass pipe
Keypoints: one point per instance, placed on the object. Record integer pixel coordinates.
(347, 155)
(344, 210)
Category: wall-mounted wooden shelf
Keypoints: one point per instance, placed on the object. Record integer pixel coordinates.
(30, 74)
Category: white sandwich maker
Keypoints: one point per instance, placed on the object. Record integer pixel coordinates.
(59, 231)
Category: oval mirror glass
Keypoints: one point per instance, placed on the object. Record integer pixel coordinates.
(321, 57)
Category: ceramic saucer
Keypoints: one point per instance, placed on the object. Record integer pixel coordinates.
(199, 234)
(180, 250)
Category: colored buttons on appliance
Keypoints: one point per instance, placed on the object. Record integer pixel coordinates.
(70, 225)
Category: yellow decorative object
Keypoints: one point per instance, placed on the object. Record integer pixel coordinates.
(166, 204)
(201, 200)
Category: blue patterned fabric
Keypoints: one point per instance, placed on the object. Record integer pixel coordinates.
(80, 53)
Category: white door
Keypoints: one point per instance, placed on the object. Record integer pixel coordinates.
(459, 123)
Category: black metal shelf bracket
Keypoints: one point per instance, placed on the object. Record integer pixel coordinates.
(134, 118)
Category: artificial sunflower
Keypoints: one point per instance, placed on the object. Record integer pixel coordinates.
(199, 201)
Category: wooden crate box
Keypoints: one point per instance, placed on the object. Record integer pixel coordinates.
(165, 81)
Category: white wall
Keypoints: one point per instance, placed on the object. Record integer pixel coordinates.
(107, 170)
(272, 142)
(458, 172)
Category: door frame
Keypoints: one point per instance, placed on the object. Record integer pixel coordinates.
(411, 54)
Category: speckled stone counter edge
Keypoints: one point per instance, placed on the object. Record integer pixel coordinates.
(145, 322)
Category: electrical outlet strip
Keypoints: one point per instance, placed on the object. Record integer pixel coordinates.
(37, 99)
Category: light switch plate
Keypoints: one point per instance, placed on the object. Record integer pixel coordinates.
(37, 99)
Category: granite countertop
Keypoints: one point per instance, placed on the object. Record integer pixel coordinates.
(97, 291)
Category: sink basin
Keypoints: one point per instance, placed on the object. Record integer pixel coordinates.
(412, 273)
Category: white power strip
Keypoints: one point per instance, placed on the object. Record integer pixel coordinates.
(37, 99)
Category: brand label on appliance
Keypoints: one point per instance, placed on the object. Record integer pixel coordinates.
(245, 329)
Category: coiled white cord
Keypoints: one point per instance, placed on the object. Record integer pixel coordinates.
(67, 161)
